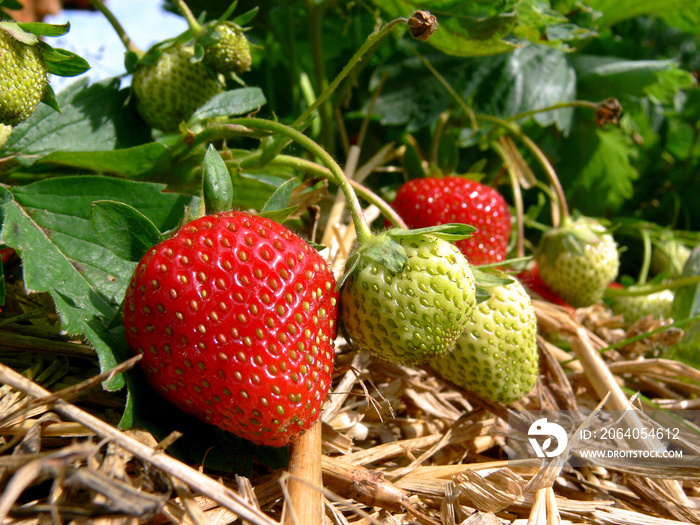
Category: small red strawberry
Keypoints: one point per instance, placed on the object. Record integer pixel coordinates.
(431, 201)
(235, 317)
(533, 283)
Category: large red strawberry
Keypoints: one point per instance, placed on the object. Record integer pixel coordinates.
(235, 317)
(431, 201)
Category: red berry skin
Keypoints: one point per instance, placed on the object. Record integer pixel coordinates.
(532, 281)
(236, 318)
(431, 201)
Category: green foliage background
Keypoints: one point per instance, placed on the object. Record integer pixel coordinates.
(520, 69)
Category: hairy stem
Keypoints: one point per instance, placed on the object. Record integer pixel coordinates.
(361, 227)
(118, 28)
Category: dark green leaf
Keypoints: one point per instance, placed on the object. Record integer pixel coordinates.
(43, 29)
(2, 284)
(614, 11)
(48, 223)
(230, 103)
(129, 162)
(127, 232)
(94, 118)
(599, 163)
(11, 4)
(217, 187)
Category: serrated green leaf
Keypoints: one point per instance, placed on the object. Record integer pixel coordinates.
(44, 29)
(129, 162)
(599, 173)
(124, 230)
(48, 223)
(230, 103)
(94, 118)
(217, 187)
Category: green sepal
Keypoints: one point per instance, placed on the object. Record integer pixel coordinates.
(482, 294)
(280, 198)
(44, 29)
(19, 34)
(123, 229)
(383, 250)
(229, 11)
(242, 20)
(571, 237)
(451, 232)
(61, 62)
(50, 100)
(217, 186)
(131, 61)
(488, 280)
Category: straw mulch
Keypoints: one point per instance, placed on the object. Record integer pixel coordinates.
(395, 444)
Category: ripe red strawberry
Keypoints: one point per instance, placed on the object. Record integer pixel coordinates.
(533, 283)
(235, 317)
(431, 201)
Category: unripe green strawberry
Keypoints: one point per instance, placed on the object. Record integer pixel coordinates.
(411, 309)
(170, 91)
(231, 54)
(668, 257)
(23, 79)
(634, 307)
(496, 356)
(578, 260)
(235, 317)
(5, 132)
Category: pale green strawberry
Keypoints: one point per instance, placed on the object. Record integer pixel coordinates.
(669, 256)
(168, 92)
(634, 307)
(409, 308)
(231, 54)
(5, 132)
(23, 79)
(578, 260)
(496, 356)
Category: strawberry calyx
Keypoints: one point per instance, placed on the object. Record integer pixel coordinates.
(572, 236)
(384, 249)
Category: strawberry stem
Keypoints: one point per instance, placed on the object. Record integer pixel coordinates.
(361, 227)
(118, 28)
(646, 289)
(185, 11)
(374, 38)
(562, 210)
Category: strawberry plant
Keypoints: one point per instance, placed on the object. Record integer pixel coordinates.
(295, 216)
